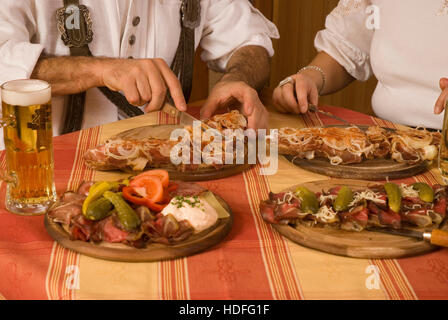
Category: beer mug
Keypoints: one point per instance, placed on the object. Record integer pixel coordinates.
(28, 136)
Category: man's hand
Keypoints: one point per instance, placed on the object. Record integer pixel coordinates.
(443, 98)
(227, 94)
(246, 72)
(143, 81)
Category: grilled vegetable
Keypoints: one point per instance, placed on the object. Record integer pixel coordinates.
(309, 202)
(425, 192)
(99, 209)
(343, 199)
(128, 217)
(394, 196)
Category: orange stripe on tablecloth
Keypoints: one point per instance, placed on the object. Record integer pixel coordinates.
(394, 281)
(62, 258)
(280, 270)
(174, 282)
(173, 274)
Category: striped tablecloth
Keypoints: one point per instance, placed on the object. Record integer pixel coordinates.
(254, 262)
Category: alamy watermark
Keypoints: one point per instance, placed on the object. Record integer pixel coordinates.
(211, 147)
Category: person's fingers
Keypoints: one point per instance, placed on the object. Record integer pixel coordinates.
(131, 93)
(314, 96)
(302, 96)
(209, 108)
(158, 89)
(277, 100)
(441, 102)
(443, 83)
(173, 84)
(144, 88)
(289, 98)
(259, 118)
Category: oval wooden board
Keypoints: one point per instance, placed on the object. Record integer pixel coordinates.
(365, 244)
(164, 132)
(376, 169)
(153, 252)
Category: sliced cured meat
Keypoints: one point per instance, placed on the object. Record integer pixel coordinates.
(351, 145)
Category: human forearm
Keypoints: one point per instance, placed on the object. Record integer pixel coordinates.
(142, 81)
(251, 65)
(337, 78)
(69, 75)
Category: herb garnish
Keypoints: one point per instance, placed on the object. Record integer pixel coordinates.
(193, 202)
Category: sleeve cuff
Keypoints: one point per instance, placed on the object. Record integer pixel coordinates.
(354, 60)
(18, 59)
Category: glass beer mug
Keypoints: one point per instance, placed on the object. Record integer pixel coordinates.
(28, 136)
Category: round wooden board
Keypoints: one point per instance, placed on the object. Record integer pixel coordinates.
(376, 169)
(164, 132)
(153, 252)
(365, 244)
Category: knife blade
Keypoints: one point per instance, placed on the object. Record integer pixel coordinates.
(436, 237)
(313, 108)
(186, 119)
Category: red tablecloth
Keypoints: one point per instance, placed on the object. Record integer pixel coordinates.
(253, 262)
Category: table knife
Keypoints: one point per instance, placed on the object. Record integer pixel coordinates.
(436, 237)
(313, 108)
(185, 118)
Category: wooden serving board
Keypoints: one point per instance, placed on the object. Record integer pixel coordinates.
(375, 169)
(164, 132)
(364, 244)
(153, 252)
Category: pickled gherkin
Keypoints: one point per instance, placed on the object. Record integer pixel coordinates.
(99, 209)
(308, 199)
(128, 217)
(343, 199)
(425, 192)
(394, 196)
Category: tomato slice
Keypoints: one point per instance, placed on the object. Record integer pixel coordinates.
(153, 186)
(163, 175)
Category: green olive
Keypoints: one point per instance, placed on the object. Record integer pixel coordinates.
(394, 196)
(309, 202)
(343, 199)
(425, 192)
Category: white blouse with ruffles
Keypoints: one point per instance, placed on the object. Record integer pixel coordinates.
(403, 43)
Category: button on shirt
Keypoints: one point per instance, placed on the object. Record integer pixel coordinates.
(122, 29)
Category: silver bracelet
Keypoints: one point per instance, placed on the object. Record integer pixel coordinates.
(322, 73)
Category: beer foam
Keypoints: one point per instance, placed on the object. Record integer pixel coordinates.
(26, 92)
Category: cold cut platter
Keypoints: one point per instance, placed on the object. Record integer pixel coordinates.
(334, 216)
(143, 219)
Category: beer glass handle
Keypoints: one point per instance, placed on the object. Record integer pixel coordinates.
(8, 178)
(8, 121)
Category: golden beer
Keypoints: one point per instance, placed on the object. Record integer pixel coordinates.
(29, 146)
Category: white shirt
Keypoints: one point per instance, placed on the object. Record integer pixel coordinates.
(28, 28)
(407, 52)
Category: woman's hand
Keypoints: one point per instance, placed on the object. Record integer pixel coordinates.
(441, 102)
(295, 96)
